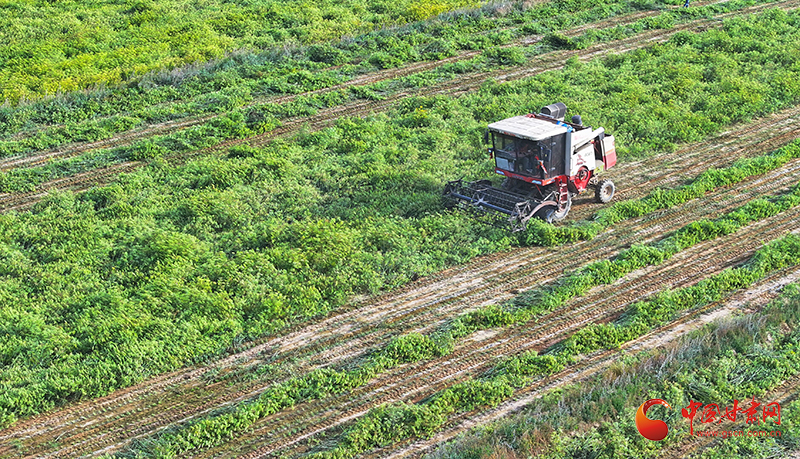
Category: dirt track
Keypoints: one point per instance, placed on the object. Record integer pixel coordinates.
(326, 117)
(36, 158)
(759, 295)
(109, 424)
(417, 381)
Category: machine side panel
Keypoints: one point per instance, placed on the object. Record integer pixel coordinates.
(609, 152)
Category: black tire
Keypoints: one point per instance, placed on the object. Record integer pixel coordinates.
(558, 216)
(550, 214)
(604, 191)
(545, 213)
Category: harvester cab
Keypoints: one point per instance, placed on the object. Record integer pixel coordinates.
(545, 161)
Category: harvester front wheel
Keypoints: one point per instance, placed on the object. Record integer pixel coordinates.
(559, 215)
(551, 214)
(604, 191)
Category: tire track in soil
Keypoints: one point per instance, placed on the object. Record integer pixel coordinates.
(414, 382)
(510, 262)
(546, 62)
(751, 298)
(126, 138)
(34, 158)
(156, 413)
(77, 182)
(549, 61)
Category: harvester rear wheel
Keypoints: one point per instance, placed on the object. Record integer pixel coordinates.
(604, 191)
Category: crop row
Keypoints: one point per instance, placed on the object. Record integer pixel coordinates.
(732, 358)
(171, 265)
(234, 80)
(240, 84)
(244, 122)
(390, 424)
(664, 20)
(102, 45)
(415, 347)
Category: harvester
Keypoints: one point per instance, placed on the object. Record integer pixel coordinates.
(545, 161)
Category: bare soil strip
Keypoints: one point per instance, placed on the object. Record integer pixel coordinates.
(110, 423)
(326, 117)
(748, 301)
(128, 137)
(281, 433)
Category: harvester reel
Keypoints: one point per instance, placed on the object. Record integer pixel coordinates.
(604, 191)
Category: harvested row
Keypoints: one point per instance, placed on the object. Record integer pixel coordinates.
(505, 275)
(420, 380)
(752, 298)
(466, 83)
(410, 307)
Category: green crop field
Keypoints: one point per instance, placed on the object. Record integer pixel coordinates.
(222, 229)
(58, 47)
